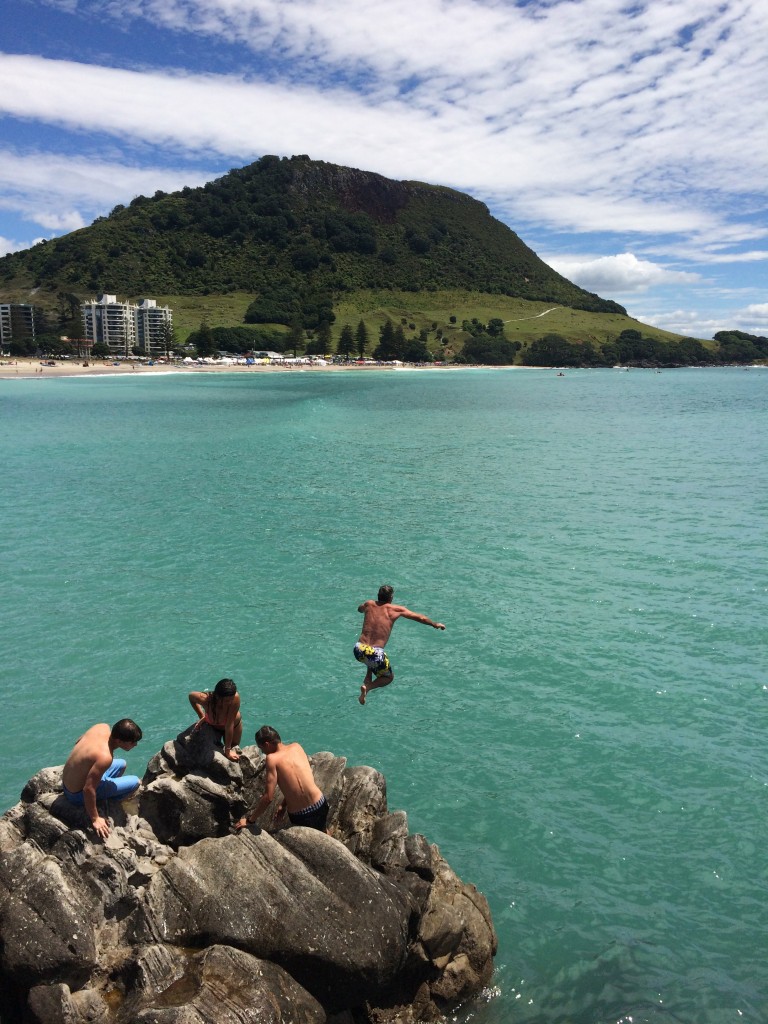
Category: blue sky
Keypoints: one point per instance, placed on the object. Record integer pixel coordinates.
(626, 143)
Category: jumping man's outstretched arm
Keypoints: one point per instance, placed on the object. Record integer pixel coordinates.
(406, 613)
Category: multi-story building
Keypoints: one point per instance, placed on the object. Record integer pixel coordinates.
(111, 322)
(153, 326)
(17, 322)
(125, 326)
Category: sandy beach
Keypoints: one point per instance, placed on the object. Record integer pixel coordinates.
(17, 369)
(11, 369)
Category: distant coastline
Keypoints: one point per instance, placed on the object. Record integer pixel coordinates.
(41, 369)
(18, 369)
(14, 369)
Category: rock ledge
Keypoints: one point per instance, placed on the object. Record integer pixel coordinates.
(174, 920)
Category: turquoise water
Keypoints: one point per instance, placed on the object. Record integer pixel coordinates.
(585, 741)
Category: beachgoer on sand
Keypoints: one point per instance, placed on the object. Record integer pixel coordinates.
(288, 767)
(380, 617)
(92, 773)
(221, 710)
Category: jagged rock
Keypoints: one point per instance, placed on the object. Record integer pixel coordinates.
(173, 920)
(191, 791)
(46, 919)
(55, 1004)
(351, 938)
(227, 986)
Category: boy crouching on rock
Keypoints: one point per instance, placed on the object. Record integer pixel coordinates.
(288, 767)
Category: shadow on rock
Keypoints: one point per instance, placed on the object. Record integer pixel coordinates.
(175, 920)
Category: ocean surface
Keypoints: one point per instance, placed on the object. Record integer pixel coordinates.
(586, 742)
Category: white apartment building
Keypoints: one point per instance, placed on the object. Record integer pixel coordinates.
(125, 326)
(152, 325)
(17, 320)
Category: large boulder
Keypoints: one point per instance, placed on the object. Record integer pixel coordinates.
(299, 899)
(174, 919)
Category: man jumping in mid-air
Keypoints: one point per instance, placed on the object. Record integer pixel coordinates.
(380, 617)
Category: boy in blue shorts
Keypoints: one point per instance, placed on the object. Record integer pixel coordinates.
(92, 773)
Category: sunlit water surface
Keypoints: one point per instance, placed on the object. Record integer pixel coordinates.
(585, 742)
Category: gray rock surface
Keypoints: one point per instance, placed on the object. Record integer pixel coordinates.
(176, 920)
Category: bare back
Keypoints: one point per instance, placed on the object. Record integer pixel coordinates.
(91, 752)
(294, 776)
(379, 618)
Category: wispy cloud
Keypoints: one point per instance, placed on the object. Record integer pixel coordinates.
(37, 185)
(601, 117)
(752, 319)
(638, 122)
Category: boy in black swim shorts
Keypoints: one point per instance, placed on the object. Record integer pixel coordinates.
(288, 767)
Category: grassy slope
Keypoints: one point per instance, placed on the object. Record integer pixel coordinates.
(219, 310)
(423, 309)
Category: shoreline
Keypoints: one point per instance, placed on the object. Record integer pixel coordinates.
(37, 369)
(26, 368)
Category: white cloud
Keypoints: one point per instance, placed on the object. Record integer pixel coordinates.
(620, 274)
(753, 256)
(590, 117)
(88, 179)
(8, 245)
(67, 220)
(756, 312)
(37, 186)
(752, 319)
(642, 122)
(686, 322)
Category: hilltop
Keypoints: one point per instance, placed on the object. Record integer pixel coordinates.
(296, 235)
(289, 252)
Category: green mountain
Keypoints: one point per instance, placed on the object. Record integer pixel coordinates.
(296, 235)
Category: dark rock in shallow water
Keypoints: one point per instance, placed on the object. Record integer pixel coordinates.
(174, 920)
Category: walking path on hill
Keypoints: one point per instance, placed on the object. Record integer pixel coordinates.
(517, 319)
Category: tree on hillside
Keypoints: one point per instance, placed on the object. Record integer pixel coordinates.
(361, 339)
(324, 337)
(67, 308)
(691, 352)
(474, 327)
(734, 349)
(168, 336)
(295, 339)
(416, 351)
(203, 340)
(398, 343)
(489, 351)
(319, 342)
(552, 350)
(392, 343)
(346, 344)
(386, 341)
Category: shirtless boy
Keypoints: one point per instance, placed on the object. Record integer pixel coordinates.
(288, 767)
(380, 617)
(92, 773)
(221, 710)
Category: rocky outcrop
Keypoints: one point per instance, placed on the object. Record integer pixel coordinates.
(176, 920)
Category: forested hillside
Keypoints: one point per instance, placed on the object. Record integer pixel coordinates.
(295, 234)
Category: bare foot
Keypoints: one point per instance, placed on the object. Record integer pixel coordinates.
(363, 691)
